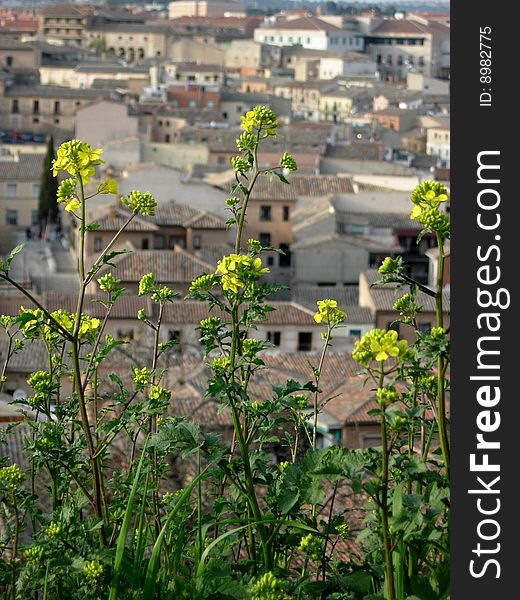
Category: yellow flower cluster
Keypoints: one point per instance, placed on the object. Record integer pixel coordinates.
(78, 159)
(427, 199)
(379, 345)
(239, 271)
(11, 477)
(268, 587)
(260, 118)
(329, 313)
(92, 572)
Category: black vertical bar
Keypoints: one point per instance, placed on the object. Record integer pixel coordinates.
(485, 525)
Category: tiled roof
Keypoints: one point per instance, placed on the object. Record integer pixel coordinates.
(114, 219)
(284, 313)
(407, 26)
(53, 91)
(269, 187)
(380, 220)
(176, 214)
(25, 167)
(346, 295)
(11, 44)
(126, 306)
(361, 417)
(384, 296)
(169, 266)
(305, 24)
(32, 357)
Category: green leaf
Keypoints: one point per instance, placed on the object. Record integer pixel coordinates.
(397, 501)
(92, 227)
(108, 187)
(287, 499)
(16, 250)
(281, 177)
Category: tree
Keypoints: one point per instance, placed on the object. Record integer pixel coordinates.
(47, 200)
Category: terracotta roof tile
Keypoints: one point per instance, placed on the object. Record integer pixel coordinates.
(169, 266)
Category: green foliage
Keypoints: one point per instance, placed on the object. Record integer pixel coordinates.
(47, 196)
(136, 504)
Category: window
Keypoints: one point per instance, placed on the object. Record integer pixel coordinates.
(11, 216)
(286, 213)
(35, 190)
(125, 334)
(221, 160)
(98, 244)
(36, 120)
(167, 138)
(265, 213)
(35, 217)
(15, 107)
(304, 341)
(270, 261)
(421, 61)
(192, 104)
(357, 229)
(355, 333)
(425, 327)
(8, 61)
(265, 239)
(275, 337)
(36, 107)
(11, 190)
(174, 334)
(144, 244)
(210, 104)
(285, 258)
(197, 242)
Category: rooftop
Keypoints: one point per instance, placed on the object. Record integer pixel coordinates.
(307, 23)
(169, 266)
(24, 166)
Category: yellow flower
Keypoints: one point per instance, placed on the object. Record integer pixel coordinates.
(329, 313)
(78, 159)
(239, 271)
(73, 205)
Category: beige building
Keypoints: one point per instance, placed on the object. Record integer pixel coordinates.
(19, 189)
(340, 102)
(17, 56)
(418, 45)
(132, 41)
(63, 24)
(106, 121)
(205, 8)
(86, 75)
(438, 140)
(43, 108)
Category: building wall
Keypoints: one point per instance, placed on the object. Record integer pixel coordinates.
(131, 45)
(330, 263)
(425, 319)
(65, 30)
(104, 122)
(438, 142)
(361, 436)
(19, 59)
(186, 49)
(24, 203)
(203, 8)
(242, 53)
(176, 155)
(45, 117)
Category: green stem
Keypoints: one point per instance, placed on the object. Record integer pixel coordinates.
(441, 399)
(243, 446)
(97, 475)
(389, 576)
